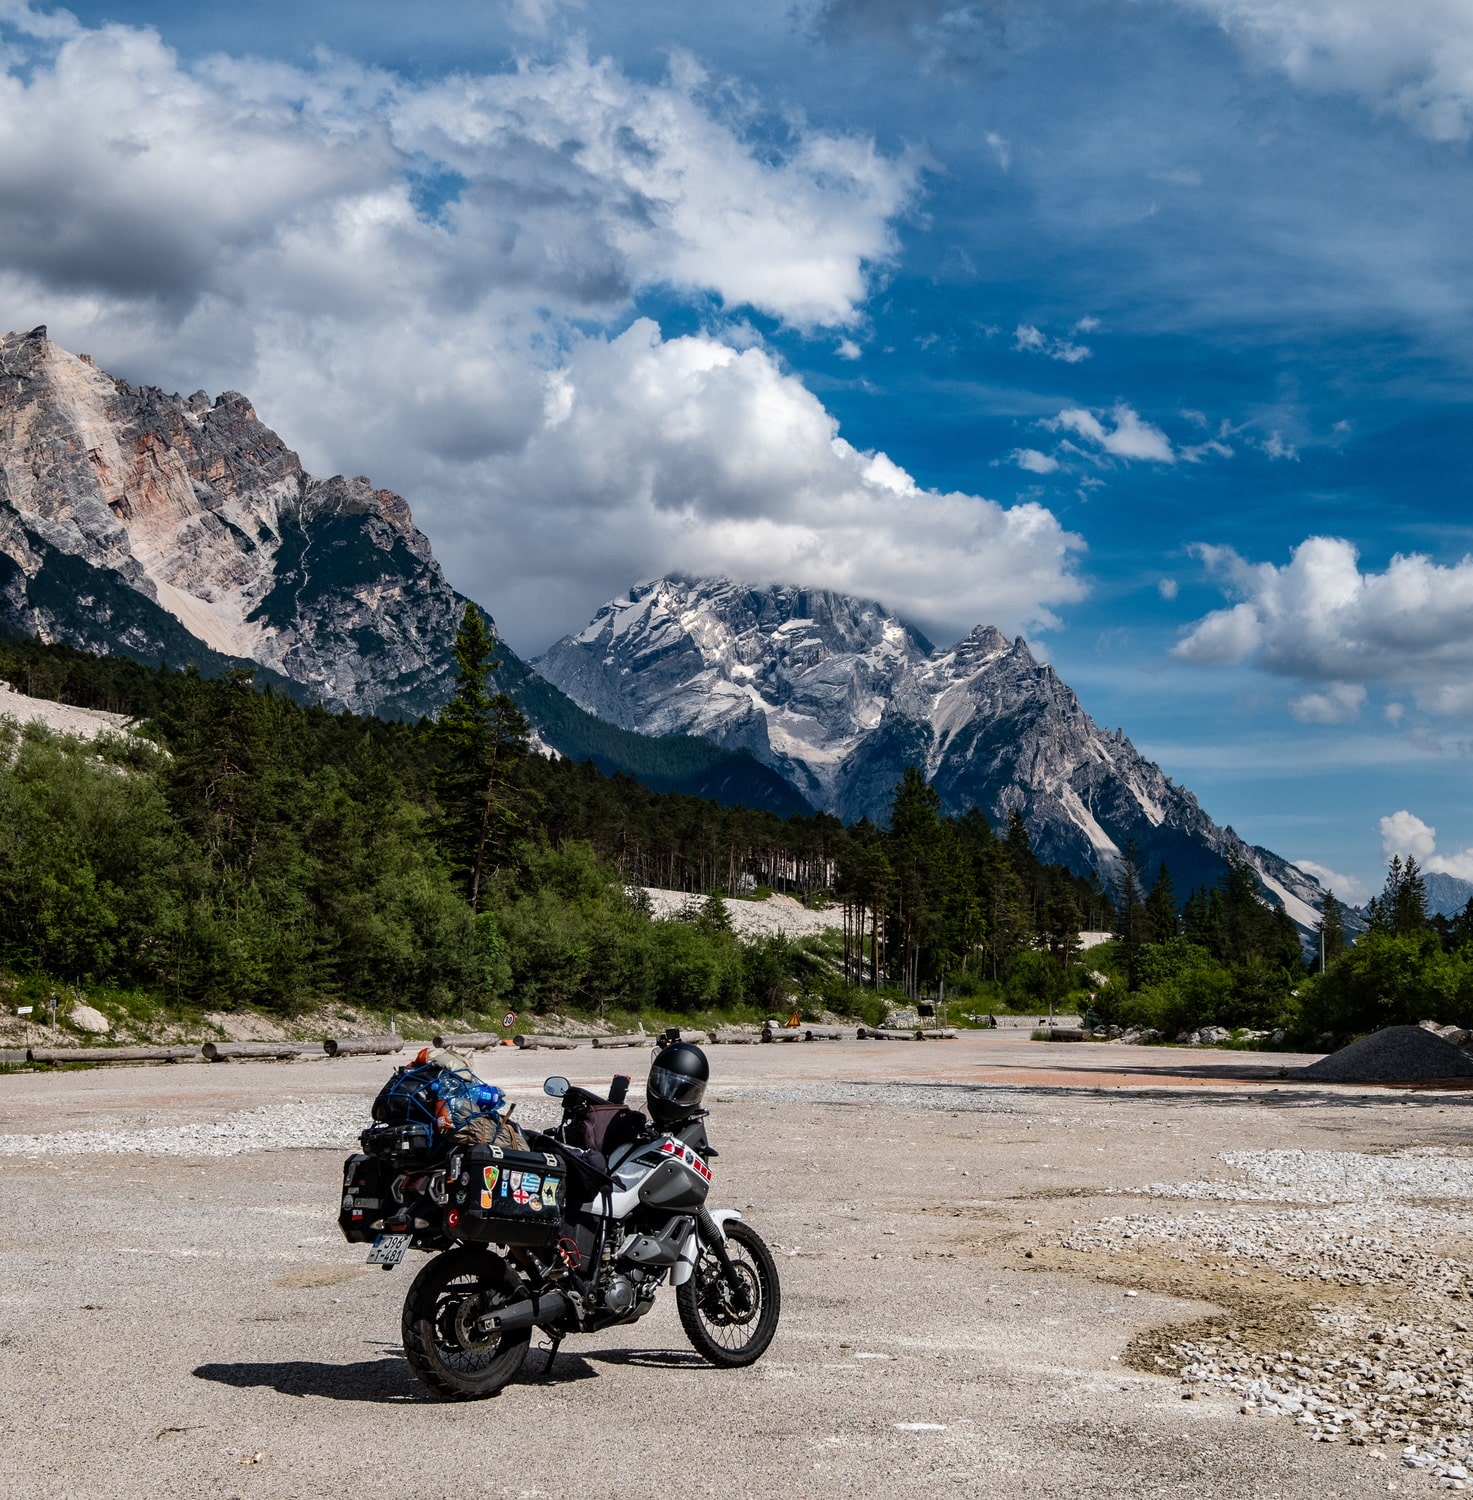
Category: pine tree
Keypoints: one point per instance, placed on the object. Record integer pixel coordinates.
(1130, 914)
(1161, 915)
(1332, 928)
(1401, 908)
(480, 736)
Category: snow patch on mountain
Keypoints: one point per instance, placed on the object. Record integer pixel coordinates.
(839, 695)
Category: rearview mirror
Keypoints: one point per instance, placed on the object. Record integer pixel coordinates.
(556, 1087)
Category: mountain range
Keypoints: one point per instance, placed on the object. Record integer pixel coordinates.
(839, 695)
(183, 529)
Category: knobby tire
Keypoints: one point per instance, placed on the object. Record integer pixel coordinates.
(446, 1369)
(716, 1332)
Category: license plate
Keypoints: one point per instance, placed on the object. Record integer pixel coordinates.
(388, 1250)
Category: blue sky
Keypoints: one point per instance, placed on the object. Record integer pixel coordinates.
(1115, 303)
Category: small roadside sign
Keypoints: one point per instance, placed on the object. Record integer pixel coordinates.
(24, 1010)
(509, 1019)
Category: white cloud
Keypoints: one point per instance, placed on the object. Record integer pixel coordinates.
(1341, 703)
(1322, 619)
(1406, 834)
(1168, 588)
(848, 349)
(1459, 865)
(1001, 151)
(1129, 438)
(1346, 887)
(1034, 461)
(1413, 59)
(1274, 447)
(687, 454)
(1030, 340)
(431, 282)
(1223, 638)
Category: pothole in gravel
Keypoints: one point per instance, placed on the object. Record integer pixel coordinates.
(1346, 1305)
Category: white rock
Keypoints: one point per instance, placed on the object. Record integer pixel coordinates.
(85, 1018)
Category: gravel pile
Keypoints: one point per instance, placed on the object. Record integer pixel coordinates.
(1399, 1054)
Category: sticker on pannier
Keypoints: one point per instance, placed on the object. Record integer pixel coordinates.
(513, 1197)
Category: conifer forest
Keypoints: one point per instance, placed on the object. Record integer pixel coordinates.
(242, 849)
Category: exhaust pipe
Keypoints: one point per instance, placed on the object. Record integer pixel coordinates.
(529, 1313)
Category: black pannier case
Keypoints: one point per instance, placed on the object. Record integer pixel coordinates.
(366, 1187)
(512, 1197)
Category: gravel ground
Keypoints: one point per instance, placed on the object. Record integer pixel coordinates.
(777, 916)
(175, 1324)
(1392, 1369)
(85, 723)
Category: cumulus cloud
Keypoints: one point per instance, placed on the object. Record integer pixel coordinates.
(663, 454)
(1413, 59)
(1322, 619)
(1168, 588)
(1406, 834)
(1340, 703)
(432, 282)
(1346, 887)
(1034, 461)
(1030, 340)
(1130, 437)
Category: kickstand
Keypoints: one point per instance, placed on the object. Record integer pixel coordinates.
(557, 1344)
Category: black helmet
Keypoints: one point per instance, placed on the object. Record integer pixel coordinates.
(678, 1078)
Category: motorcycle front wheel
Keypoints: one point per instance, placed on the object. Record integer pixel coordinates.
(453, 1361)
(719, 1327)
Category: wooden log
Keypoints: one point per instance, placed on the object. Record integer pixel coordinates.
(785, 1034)
(471, 1041)
(936, 1034)
(112, 1054)
(824, 1034)
(554, 1043)
(877, 1034)
(362, 1046)
(276, 1051)
(1065, 1034)
(14, 1055)
(731, 1037)
(623, 1041)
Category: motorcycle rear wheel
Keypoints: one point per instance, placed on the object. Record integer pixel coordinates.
(717, 1330)
(439, 1339)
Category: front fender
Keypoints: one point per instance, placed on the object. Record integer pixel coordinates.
(690, 1252)
(719, 1217)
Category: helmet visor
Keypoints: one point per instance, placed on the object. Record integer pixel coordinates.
(679, 1089)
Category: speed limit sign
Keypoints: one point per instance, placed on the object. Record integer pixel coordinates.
(509, 1020)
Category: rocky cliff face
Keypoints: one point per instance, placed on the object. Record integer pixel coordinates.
(840, 696)
(184, 530)
(156, 524)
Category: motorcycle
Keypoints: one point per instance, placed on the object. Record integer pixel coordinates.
(574, 1235)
